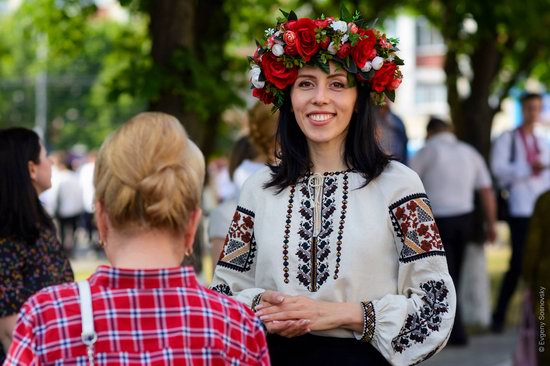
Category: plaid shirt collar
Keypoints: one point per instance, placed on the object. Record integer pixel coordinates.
(124, 278)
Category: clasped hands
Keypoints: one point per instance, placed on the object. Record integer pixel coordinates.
(292, 316)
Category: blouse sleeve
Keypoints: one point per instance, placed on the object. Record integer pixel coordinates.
(22, 349)
(235, 272)
(12, 288)
(412, 325)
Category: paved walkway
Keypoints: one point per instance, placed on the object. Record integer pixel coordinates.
(483, 350)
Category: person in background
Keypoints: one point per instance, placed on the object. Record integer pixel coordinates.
(31, 256)
(86, 177)
(536, 268)
(67, 198)
(250, 154)
(335, 246)
(392, 133)
(452, 171)
(146, 308)
(520, 162)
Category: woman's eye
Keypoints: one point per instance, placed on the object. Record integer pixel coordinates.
(338, 85)
(305, 84)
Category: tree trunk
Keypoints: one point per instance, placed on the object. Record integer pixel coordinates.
(171, 27)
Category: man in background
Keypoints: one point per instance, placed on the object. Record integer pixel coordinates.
(452, 171)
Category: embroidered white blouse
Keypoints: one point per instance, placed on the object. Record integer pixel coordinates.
(377, 243)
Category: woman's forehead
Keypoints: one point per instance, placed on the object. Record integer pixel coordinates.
(334, 70)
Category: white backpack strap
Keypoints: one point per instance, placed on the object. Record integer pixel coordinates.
(89, 336)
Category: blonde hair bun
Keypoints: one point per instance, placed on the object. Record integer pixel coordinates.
(149, 174)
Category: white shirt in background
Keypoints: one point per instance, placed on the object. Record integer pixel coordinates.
(86, 175)
(451, 171)
(524, 187)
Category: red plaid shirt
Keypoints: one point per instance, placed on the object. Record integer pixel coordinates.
(141, 317)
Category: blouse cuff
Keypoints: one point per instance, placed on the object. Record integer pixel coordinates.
(369, 322)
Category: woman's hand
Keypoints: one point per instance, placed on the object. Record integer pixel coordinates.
(287, 328)
(318, 315)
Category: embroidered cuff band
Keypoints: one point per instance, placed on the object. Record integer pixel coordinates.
(369, 321)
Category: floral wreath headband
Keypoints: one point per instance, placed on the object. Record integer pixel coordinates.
(360, 49)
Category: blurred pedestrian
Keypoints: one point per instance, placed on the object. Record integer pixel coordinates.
(86, 177)
(452, 171)
(520, 161)
(335, 246)
(144, 308)
(68, 203)
(392, 133)
(250, 154)
(31, 256)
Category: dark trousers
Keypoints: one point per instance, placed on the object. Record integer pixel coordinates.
(455, 233)
(67, 226)
(315, 350)
(518, 233)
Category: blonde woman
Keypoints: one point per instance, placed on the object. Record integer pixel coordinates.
(146, 308)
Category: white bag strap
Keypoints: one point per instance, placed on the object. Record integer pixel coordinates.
(89, 336)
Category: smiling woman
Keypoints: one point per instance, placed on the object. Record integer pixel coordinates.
(335, 247)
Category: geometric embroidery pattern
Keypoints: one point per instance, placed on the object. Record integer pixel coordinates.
(421, 324)
(240, 245)
(313, 269)
(222, 288)
(414, 223)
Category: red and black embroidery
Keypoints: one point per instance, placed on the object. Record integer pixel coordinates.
(414, 224)
(313, 271)
(419, 325)
(240, 245)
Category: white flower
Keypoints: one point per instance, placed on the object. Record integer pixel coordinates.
(255, 72)
(367, 67)
(277, 50)
(377, 62)
(332, 49)
(344, 39)
(269, 32)
(339, 26)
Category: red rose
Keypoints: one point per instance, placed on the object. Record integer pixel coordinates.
(290, 39)
(306, 44)
(383, 78)
(364, 50)
(395, 84)
(324, 44)
(276, 73)
(344, 51)
(289, 25)
(263, 95)
(321, 23)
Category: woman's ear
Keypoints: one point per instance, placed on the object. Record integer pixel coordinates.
(194, 220)
(101, 220)
(32, 170)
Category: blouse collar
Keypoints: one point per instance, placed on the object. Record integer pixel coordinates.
(123, 278)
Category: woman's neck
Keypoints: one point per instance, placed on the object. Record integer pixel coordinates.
(327, 157)
(146, 250)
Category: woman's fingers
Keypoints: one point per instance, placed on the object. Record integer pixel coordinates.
(272, 297)
(289, 328)
(281, 315)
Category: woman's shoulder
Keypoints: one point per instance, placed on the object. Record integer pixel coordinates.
(51, 297)
(398, 181)
(256, 181)
(398, 174)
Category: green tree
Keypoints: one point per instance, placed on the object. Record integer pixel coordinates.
(505, 42)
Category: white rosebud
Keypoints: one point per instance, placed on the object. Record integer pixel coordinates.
(255, 72)
(344, 39)
(377, 62)
(367, 67)
(332, 49)
(277, 50)
(339, 26)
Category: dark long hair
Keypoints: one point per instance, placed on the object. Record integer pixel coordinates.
(21, 213)
(362, 152)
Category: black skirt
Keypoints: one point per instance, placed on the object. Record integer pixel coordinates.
(315, 350)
